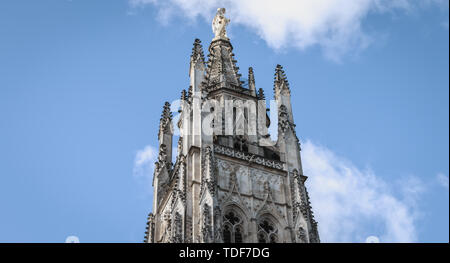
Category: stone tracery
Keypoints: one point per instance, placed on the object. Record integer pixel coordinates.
(232, 228)
(267, 231)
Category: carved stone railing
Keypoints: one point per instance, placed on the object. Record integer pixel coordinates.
(251, 158)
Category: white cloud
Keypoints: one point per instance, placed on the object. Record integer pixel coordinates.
(333, 25)
(351, 204)
(144, 164)
(442, 180)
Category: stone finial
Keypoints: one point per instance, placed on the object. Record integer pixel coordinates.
(166, 114)
(166, 119)
(280, 79)
(219, 24)
(184, 95)
(251, 81)
(251, 76)
(197, 51)
(280, 76)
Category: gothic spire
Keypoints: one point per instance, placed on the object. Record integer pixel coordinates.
(221, 71)
(280, 79)
(197, 67)
(251, 81)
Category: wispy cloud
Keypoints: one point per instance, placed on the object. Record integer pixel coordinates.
(144, 164)
(333, 25)
(349, 202)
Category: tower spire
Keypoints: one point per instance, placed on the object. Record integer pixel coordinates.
(196, 67)
(224, 137)
(221, 71)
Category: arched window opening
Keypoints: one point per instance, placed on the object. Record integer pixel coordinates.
(267, 232)
(233, 230)
(266, 226)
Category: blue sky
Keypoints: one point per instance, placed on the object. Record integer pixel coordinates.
(82, 85)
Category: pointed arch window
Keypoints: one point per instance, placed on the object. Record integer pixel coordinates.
(232, 230)
(267, 232)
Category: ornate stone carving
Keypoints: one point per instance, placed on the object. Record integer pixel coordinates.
(197, 53)
(166, 119)
(150, 229)
(301, 235)
(314, 234)
(251, 158)
(233, 182)
(179, 148)
(267, 232)
(233, 229)
(208, 182)
(297, 195)
(166, 237)
(283, 121)
(206, 224)
(218, 238)
(281, 83)
(177, 233)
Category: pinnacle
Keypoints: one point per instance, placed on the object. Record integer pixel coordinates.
(166, 119)
(251, 82)
(251, 76)
(261, 95)
(197, 51)
(166, 114)
(280, 76)
(184, 95)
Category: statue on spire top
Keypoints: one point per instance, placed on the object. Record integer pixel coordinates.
(219, 24)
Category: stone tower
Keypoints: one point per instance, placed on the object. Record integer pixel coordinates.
(230, 182)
